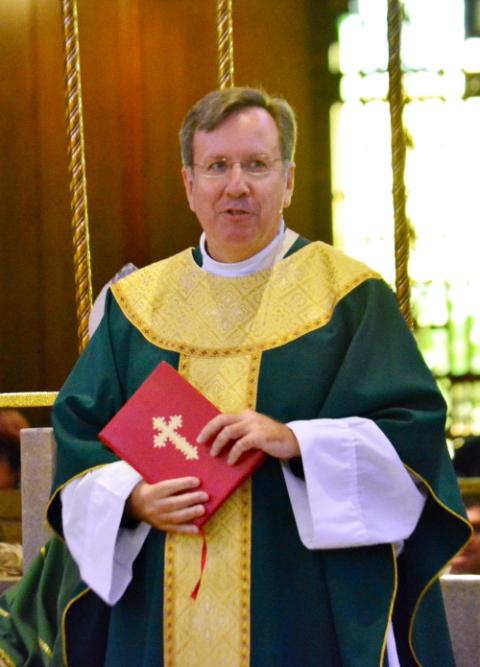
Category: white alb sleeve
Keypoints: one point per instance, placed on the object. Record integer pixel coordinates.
(356, 490)
(92, 509)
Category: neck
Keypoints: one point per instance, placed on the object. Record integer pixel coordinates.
(261, 260)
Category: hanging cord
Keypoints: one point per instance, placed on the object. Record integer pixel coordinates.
(398, 141)
(78, 180)
(225, 43)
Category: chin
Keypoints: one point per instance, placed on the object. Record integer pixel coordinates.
(236, 245)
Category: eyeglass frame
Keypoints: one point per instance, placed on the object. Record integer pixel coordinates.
(229, 164)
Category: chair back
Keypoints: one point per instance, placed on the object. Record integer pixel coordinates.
(38, 456)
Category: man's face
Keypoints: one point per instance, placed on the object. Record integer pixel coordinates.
(239, 213)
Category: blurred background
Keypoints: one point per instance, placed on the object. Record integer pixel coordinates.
(144, 62)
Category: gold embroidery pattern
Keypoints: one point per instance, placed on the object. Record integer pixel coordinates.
(215, 628)
(4, 613)
(169, 607)
(178, 306)
(223, 380)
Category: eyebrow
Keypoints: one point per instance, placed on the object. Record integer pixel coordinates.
(222, 156)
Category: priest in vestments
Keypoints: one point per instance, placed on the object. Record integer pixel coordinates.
(330, 553)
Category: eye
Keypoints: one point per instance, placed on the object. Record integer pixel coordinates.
(257, 166)
(217, 167)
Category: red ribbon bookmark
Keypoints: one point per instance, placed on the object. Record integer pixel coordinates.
(203, 561)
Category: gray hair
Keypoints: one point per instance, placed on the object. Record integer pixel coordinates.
(213, 109)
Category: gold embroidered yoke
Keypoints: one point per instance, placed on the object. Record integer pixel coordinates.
(178, 306)
(220, 327)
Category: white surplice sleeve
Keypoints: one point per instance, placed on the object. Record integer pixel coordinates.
(356, 490)
(92, 509)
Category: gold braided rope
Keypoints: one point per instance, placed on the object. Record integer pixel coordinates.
(225, 43)
(78, 180)
(398, 141)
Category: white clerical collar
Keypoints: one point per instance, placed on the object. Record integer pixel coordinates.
(262, 260)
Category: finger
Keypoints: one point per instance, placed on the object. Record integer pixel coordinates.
(214, 426)
(240, 447)
(226, 435)
(186, 515)
(174, 503)
(169, 487)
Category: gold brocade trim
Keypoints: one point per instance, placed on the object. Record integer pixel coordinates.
(6, 659)
(44, 647)
(4, 613)
(439, 572)
(169, 609)
(215, 628)
(392, 604)
(178, 306)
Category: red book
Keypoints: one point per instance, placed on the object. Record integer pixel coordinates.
(156, 430)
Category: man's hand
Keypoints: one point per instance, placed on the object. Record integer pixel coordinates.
(170, 505)
(249, 430)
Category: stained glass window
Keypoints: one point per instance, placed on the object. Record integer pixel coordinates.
(441, 61)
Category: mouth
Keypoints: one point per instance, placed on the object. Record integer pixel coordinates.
(236, 212)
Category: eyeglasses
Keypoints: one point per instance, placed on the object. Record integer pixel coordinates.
(220, 168)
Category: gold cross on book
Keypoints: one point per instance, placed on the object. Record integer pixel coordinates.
(168, 432)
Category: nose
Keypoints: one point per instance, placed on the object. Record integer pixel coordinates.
(236, 183)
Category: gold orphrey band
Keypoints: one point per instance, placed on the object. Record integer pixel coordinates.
(78, 180)
(225, 43)
(398, 142)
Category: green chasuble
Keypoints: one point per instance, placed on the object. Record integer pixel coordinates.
(317, 336)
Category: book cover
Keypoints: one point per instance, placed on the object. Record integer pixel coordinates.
(156, 430)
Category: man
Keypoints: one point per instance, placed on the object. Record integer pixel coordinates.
(329, 554)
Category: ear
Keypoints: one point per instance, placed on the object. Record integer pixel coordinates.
(289, 185)
(187, 177)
